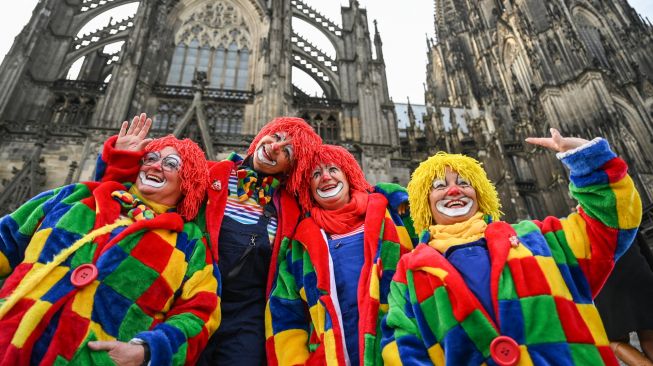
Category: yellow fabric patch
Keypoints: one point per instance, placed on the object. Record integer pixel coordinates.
(404, 238)
(47, 283)
(390, 354)
(384, 307)
(201, 281)
(99, 332)
(83, 301)
(268, 321)
(290, 347)
(436, 354)
(524, 356)
(215, 319)
(437, 272)
(374, 282)
(593, 320)
(629, 204)
(330, 348)
(302, 294)
(318, 316)
(169, 236)
(35, 246)
(174, 273)
(519, 252)
(576, 235)
(556, 282)
(5, 269)
(30, 321)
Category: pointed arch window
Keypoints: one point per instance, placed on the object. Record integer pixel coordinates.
(591, 37)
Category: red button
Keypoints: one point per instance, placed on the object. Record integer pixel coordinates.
(83, 275)
(504, 351)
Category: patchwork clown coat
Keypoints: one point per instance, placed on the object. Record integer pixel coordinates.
(303, 322)
(541, 286)
(155, 281)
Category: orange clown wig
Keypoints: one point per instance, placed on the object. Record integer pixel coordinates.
(194, 173)
(338, 156)
(304, 142)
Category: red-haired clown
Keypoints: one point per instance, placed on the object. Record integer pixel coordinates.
(477, 290)
(103, 273)
(248, 208)
(333, 276)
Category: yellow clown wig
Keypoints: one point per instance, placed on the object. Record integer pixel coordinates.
(434, 167)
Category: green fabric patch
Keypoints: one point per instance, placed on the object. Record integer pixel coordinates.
(480, 331)
(197, 260)
(599, 202)
(83, 255)
(443, 318)
(585, 354)
(86, 356)
(541, 322)
(188, 323)
(507, 285)
(372, 354)
(179, 358)
(80, 220)
(135, 321)
(130, 241)
(389, 254)
(524, 227)
(557, 252)
(131, 278)
(286, 287)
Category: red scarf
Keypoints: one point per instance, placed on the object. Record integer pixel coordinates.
(345, 219)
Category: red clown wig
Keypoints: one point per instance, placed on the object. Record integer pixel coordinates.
(338, 156)
(304, 143)
(194, 173)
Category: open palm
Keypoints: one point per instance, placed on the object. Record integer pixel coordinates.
(132, 137)
(556, 142)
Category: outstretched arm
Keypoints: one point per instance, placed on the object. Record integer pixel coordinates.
(119, 160)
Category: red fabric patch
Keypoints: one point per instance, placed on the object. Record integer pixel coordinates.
(14, 279)
(608, 356)
(615, 169)
(155, 297)
(68, 335)
(604, 241)
(271, 353)
(425, 285)
(550, 224)
(575, 328)
(149, 244)
(200, 305)
(196, 346)
(528, 277)
(8, 353)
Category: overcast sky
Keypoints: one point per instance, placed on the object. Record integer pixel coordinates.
(403, 30)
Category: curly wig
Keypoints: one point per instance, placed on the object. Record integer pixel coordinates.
(338, 156)
(419, 186)
(304, 142)
(194, 173)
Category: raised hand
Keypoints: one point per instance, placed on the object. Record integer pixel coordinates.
(133, 138)
(556, 142)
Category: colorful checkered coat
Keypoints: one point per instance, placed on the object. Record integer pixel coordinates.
(156, 281)
(303, 325)
(541, 290)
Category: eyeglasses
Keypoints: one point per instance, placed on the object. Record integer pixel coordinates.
(169, 163)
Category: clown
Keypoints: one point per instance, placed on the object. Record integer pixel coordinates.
(105, 272)
(249, 207)
(481, 291)
(333, 277)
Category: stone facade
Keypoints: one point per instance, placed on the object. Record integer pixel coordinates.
(500, 71)
(215, 71)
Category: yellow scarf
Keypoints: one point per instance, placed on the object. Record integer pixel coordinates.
(156, 207)
(444, 237)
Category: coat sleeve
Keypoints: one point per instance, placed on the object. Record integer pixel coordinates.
(17, 228)
(195, 313)
(286, 317)
(397, 197)
(402, 343)
(609, 212)
(117, 165)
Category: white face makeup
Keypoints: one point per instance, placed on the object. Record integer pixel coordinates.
(329, 187)
(273, 154)
(158, 179)
(452, 199)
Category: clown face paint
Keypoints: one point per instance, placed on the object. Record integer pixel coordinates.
(329, 187)
(158, 179)
(452, 199)
(273, 154)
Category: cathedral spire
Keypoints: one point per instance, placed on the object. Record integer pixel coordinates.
(378, 44)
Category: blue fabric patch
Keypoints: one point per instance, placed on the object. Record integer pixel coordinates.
(160, 351)
(513, 326)
(288, 314)
(472, 260)
(54, 201)
(109, 261)
(310, 286)
(536, 243)
(459, 349)
(596, 178)
(384, 285)
(625, 239)
(12, 242)
(589, 159)
(59, 290)
(100, 168)
(569, 281)
(550, 354)
(43, 343)
(412, 351)
(174, 335)
(328, 321)
(58, 240)
(582, 286)
(109, 309)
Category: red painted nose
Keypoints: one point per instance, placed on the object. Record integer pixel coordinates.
(453, 191)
